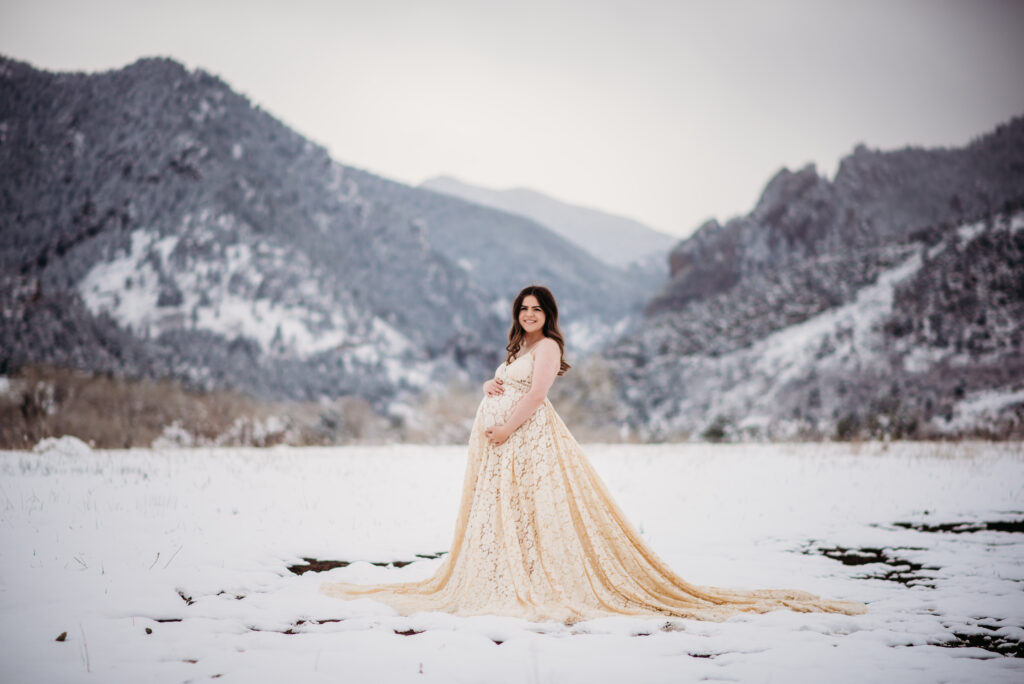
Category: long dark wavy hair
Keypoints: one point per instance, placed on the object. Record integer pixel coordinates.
(550, 329)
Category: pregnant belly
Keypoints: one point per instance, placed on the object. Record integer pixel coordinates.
(496, 410)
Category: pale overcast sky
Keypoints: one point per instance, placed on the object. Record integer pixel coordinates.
(667, 112)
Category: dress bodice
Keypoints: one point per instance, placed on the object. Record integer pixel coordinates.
(517, 375)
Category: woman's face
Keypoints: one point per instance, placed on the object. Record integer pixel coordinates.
(531, 316)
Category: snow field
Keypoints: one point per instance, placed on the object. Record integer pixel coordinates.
(103, 544)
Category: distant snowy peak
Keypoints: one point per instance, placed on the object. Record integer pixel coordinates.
(616, 240)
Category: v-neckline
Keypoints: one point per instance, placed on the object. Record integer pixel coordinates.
(529, 353)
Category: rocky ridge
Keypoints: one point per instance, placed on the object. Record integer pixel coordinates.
(874, 304)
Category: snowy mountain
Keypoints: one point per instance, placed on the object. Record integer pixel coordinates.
(888, 301)
(616, 240)
(156, 224)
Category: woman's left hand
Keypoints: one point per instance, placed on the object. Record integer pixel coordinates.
(496, 434)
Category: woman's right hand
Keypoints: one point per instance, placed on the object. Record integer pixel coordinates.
(493, 387)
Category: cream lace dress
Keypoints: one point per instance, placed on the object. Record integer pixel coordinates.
(539, 537)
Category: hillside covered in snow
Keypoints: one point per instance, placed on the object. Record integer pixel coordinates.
(886, 302)
(158, 225)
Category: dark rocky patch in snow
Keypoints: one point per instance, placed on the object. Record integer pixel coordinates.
(898, 569)
(315, 565)
(987, 637)
(1011, 526)
(319, 622)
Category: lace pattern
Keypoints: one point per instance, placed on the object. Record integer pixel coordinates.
(538, 536)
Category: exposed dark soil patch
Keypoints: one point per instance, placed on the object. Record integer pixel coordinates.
(414, 632)
(317, 622)
(1011, 526)
(167, 619)
(996, 643)
(187, 599)
(315, 565)
(394, 564)
(296, 624)
(899, 569)
(290, 630)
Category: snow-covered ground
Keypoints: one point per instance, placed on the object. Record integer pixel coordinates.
(173, 565)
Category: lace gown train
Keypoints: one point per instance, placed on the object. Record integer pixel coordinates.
(538, 536)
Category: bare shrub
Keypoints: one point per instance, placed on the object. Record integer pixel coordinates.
(111, 412)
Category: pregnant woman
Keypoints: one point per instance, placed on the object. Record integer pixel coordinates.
(538, 535)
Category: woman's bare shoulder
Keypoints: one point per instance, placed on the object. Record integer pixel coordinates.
(547, 346)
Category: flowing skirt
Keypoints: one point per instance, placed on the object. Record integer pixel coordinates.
(538, 536)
